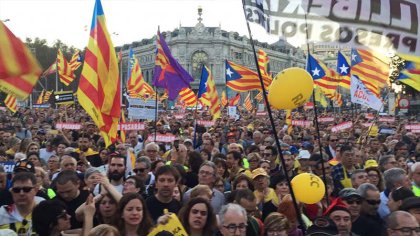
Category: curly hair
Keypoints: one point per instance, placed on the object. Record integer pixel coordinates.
(210, 228)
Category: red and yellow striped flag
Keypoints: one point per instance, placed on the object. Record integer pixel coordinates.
(52, 69)
(65, 71)
(19, 70)
(248, 103)
(188, 97)
(75, 61)
(11, 103)
(223, 99)
(263, 62)
(47, 96)
(136, 85)
(40, 97)
(289, 121)
(259, 96)
(122, 132)
(99, 90)
(235, 100)
(208, 91)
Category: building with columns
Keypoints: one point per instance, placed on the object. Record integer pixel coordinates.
(193, 46)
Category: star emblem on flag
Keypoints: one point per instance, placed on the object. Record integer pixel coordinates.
(229, 72)
(316, 72)
(344, 69)
(353, 57)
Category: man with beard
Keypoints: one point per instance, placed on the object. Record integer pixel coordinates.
(166, 181)
(86, 154)
(116, 173)
(67, 186)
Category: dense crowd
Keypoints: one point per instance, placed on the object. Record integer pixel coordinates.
(226, 179)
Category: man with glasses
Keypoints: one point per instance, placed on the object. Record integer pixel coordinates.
(401, 223)
(271, 154)
(360, 224)
(359, 177)
(233, 220)
(332, 144)
(370, 205)
(207, 176)
(152, 151)
(142, 169)
(18, 216)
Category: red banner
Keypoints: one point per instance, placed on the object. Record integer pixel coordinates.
(342, 126)
(387, 119)
(304, 123)
(72, 126)
(205, 123)
(162, 138)
(326, 119)
(131, 126)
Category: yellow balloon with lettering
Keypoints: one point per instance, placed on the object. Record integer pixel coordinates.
(291, 88)
(308, 188)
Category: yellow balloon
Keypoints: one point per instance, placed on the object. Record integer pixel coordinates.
(308, 188)
(291, 88)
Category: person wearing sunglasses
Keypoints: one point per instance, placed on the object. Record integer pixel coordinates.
(332, 144)
(370, 206)
(360, 224)
(50, 218)
(18, 216)
(198, 218)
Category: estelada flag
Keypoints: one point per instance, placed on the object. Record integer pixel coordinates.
(19, 70)
(99, 90)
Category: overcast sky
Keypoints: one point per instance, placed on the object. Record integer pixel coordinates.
(131, 20)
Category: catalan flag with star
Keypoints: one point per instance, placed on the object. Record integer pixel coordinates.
(410, 75)
(19, 69)
(242, 79)
(208, 90)
(343, 70)
(99, 90)
(168, 73)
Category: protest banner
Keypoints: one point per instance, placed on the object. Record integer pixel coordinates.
(342, 126)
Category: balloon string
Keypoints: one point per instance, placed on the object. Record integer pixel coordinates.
(324, 177)
(270, 115)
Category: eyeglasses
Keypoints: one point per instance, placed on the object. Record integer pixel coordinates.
(195, 212)
(151, 151)
(203, 172)
(19, 189)
(139, 170)
(253, 160)
(333, 140)
(232, 228)
(373, 202)
(352, 201)
(408, 230)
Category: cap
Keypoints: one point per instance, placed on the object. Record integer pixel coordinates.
(259, 172)
(348, 193)
(410, 203)
(24, 166)
(304, 154)
(307, 145)
(322, 226)
(188, 141)
(41, 132)
(371, 163)
(336, 205)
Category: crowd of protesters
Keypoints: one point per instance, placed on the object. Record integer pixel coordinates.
(226, 179)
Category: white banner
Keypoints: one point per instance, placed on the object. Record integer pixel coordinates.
(374, 24)
(162, 138)
(141, 113)
(386, 119)
(326, 119)
(391, 104)
(304, 123)
(412, 126)
(342, 126)
(232, 111)
(72, 126)
(361, 95)
(205, 123)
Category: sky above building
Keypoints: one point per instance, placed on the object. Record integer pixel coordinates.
(127, 20)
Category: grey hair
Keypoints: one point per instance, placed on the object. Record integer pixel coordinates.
(231, 207)
(210, 164)
(392, 177)
(414, 167)
(152, 144)
(358, 171)
(392, 219)
(363, 188)
(145, 160)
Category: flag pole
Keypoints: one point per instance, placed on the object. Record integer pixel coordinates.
(324, 177)
(226, 91)
(121, 81)
(276, 138)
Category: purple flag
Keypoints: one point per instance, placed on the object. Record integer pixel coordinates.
(169, 74)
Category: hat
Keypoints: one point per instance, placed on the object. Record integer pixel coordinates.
(304, 154)
(371, 163)
(307, 145)
(41, 132)
(322, 226)
(348, 193)
(284, 145)
(336, 205)
(410, 203)
(188, 141)
(259, 172)
(24, 166)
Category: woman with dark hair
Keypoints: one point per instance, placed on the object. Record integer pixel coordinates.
(205, 155)
(223, 172)
(198, 218)
(375, 177)
(106, 209)
(32, 147)
(49, 218)
(194, 162)
(133, 184)
(34, 158)
(133, 216)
